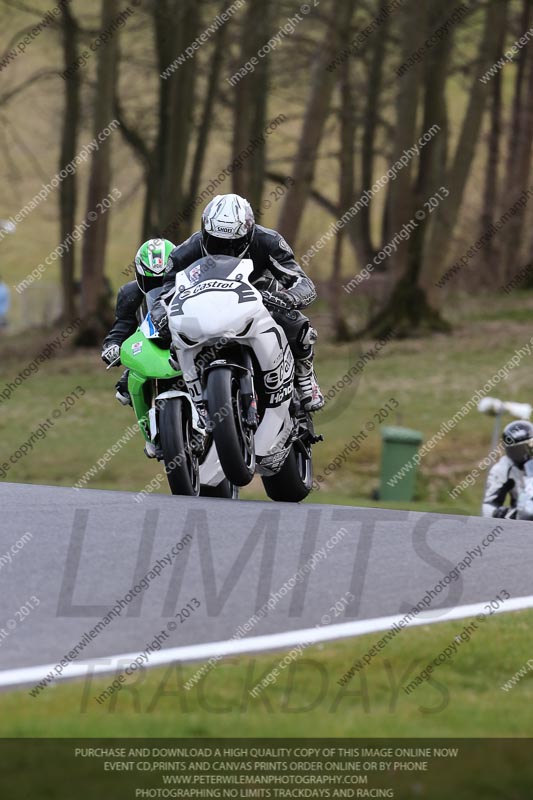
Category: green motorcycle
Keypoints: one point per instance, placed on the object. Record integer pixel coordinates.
(168, 418)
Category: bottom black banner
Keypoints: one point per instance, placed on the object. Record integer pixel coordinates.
(127, 769)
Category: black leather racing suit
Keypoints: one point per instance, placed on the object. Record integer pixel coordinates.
(129, 302)
(270, 254)
(272, 258)
(128, 315)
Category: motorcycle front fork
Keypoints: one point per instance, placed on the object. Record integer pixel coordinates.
(248, 393)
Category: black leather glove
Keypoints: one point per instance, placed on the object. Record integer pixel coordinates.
(279, 299)
(160, 318)
(505, 512)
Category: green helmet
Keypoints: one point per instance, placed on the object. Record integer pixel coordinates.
(150, 263)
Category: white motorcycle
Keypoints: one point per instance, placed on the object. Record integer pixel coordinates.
(239, 371)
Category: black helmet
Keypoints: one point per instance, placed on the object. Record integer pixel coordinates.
(518, 441)
(228, 226)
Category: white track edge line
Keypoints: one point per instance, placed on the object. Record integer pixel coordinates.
(200, 652)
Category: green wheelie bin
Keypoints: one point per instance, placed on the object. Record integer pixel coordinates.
(399, 447)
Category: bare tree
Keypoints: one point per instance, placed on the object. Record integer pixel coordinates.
(68, 193)
(177, 24)
(346, 190)
(322, 84)
(94, 309)
(519, 156)
(250, 102)
(407, 308)
(371, 117)
(459, 169)
(207, 116)
(490, 252)
(413, 305)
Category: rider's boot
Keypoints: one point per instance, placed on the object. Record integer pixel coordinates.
(306, 384)
(150, 450)
(122, 395)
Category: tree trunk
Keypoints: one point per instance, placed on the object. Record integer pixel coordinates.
(375, 80)
(346, 193)
(213, 84)
(161, 209)
(518, 100)
(448, 212)
(519, 162)
(94, 296)
(250, 105)
(408, 309)
(491, 249)
(177, 24)
(401, 194)
(256, 163)
(69, 137)
(322, 83)
(145, 157)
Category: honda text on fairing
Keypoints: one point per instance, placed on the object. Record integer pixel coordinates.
(239, 371)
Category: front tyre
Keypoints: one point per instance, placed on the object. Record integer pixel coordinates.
(234, 442)
(225, 489)
(295, 479)
(177, 443)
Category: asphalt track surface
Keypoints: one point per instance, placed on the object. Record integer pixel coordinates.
(90, 547)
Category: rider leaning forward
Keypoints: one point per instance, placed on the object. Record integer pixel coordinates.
(228, 228)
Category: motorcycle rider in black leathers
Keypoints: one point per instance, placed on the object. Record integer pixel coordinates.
(150, 263)
(228, 228)
(508, 476)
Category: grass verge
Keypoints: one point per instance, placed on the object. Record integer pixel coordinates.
(462, 697)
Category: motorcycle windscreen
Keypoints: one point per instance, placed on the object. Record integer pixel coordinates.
(214, 310)
(214, 268)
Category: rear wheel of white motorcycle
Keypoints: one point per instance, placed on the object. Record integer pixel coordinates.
(177, 436)
(235, 443)
(295, 479)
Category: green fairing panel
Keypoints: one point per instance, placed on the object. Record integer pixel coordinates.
(146, 361)
(146, 358)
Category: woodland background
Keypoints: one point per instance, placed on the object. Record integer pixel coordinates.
(350, 111)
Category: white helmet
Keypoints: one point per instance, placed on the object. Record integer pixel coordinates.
(228, 226)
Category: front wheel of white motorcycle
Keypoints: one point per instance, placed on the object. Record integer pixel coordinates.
(177, 443)
(226, 490)
(234, 441)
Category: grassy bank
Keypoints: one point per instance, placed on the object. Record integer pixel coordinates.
(461, 698)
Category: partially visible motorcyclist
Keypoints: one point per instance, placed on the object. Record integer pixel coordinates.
(150, 263)
(229, 228)
(509, 476)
